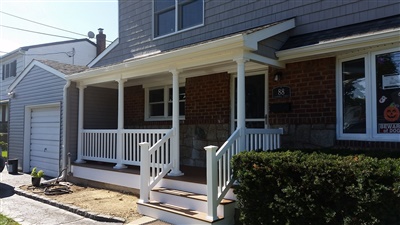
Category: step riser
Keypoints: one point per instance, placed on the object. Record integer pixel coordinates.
(169, 217)
(195, 204)
(191, 187)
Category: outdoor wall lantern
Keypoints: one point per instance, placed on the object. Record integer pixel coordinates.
(11, 94)
(278, 76)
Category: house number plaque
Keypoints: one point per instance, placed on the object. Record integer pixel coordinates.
(281, 92)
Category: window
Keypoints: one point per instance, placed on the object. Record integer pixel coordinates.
(9, 70)
(171, 16)
(369, 97)
(159, 103)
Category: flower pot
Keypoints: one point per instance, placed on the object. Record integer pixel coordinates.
(36, 181)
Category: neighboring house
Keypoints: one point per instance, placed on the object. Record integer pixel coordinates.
(76, 52)
(189, 74)
(38, 115)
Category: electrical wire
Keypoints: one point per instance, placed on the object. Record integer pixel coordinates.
(42, 25)
(31, 31)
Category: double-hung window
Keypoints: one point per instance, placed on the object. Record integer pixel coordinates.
(171, 16)
(369, 96)
(9, 70)
(159, 103)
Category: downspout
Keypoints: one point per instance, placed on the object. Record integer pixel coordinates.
(64, 168)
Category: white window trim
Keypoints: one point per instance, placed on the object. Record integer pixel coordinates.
(176, 23)
(371, 109)
(147, 116)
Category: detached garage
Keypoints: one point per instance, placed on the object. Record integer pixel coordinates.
(36, 116)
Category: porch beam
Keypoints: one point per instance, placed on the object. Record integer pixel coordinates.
(241, 100)
(175, 125)
(80, 124)
(120, 138)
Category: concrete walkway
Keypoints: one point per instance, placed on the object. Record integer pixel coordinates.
(21, 206)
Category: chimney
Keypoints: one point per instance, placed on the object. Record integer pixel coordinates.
(101, 41)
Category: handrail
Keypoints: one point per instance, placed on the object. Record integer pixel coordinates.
(219, 172)
(155, 164)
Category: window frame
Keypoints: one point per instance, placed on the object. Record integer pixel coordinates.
(177, 20)
(371, 133)
(166, 102)
(9, 70)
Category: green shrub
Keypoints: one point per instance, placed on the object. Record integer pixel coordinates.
(315, 188)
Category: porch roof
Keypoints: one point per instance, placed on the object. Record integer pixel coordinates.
(202, 58)
(342, 39)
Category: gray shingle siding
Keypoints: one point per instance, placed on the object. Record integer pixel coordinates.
(226, 17)
(37, 87)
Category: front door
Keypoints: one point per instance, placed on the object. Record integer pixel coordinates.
(255, 101)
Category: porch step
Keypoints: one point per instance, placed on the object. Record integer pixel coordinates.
(174, 214)
(184, 207)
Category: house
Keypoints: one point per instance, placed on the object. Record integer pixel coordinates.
(76, 52)
(191, 83)
(38, 115)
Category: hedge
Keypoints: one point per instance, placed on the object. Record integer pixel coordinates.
(316, 188)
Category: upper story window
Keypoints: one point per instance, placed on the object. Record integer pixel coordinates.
(171, 16)
(369, 96)
(9, 70)
(159, 103)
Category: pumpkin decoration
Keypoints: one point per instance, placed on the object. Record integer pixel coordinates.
(391, 113)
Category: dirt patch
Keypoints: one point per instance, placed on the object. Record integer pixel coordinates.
(102, 201)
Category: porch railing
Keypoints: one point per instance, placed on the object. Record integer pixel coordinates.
(101, 145)
(156, 163)
(219, 172)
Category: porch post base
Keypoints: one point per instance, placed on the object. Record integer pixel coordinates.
(175, 173)
(119, 166)
(80, 161)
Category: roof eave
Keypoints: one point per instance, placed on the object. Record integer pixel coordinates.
(335, 46)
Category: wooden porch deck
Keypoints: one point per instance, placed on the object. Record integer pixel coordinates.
(191, 174)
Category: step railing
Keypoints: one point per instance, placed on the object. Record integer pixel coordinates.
(219, 171)
(155, 164)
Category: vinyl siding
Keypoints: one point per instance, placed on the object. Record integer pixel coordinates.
(226, 17)
(36, 88)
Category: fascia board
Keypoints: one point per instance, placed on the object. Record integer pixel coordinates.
(166, 61)
(339, 45)
(251, 40)
(264, 60)
(28, 69)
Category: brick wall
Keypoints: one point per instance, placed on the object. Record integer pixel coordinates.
(311, 123)
(207, 99)
(313, 96)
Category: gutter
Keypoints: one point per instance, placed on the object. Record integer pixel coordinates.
(64, 165)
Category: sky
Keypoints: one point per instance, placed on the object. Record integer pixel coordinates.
(78, 16)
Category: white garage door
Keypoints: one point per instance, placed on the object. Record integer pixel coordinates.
(45, 140)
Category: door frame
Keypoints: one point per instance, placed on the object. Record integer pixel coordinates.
(266, 99)
(27, 132)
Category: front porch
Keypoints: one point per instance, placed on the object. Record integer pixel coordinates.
(202, 85)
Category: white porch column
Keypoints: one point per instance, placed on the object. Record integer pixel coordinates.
(241, 101)
(80, 124)
(175, 125)
(120, 134)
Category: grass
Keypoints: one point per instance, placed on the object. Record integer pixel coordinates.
(4, 155)
(7, 221)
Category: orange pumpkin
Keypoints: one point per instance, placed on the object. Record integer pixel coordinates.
(391, 113)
